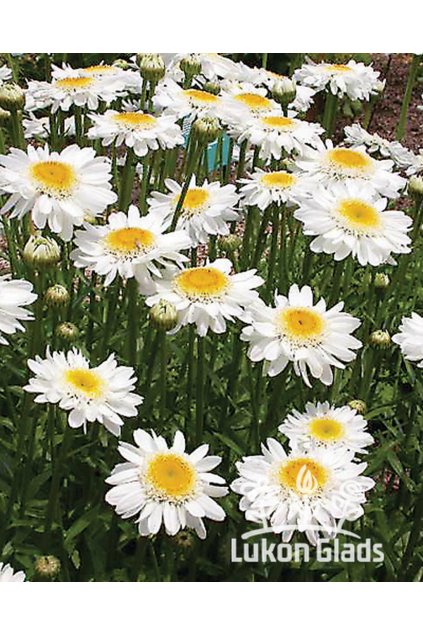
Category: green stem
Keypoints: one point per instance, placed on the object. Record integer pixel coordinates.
(200, 383)
(412, 74)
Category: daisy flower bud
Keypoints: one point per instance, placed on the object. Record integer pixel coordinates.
(4, 117)
(12, 97)
(121, 63)
(206, 129)
(415, 187)
(40, 252)
(164, 316)
(67, 331)
(359, 406)
(152, 66)
(229, 243)
(212, 87)
(284, 91)
(184, 539)
(380, 339)
(56, 296)
(381, 281)
(191, 65)
(47, 568)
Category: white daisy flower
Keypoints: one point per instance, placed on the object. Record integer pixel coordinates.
(349, 218)
(323, 425)
(304, 94)
(102, 394)
(311, 337)
(180, 102)
(138, 130)
(303, 491)
(82, 91)
(355, 79)
(213, 65)
(123, 79)
(14, 294)
(410, 338)
(402, 156)
(417, 166)
(129, 245)
(242, 100)
(208, 295)
(59, 189)
(205, 211)
(5, 74)
(7, 574)
(166, 485)
(327, 164)
(262, 188)
(40, 127)
(275, 134)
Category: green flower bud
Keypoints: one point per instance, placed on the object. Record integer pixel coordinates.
(359, 406)
(190, 65)
(380, 339)
(40, 252)
(381, 280)
(47, 568)
(211, 87)
(284, 91)
(67, 331)
(184, 539)
(56, 296)
(12, 97)
(229, 243)
(164, 316)
(152, 67)
(206, 129)
(121, 63)
(415, 187)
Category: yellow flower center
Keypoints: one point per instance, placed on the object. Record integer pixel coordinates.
(195, 200)
(359, 214)
(349, 159)
(171, 476)
(129, 241)
(301, 324)
(201, 96)
(303, 475)
(202, 283)
(53, 177)
(280, 123)
(326, 429)
(100, 69)
(85, 381)
(338, 68)
(278, 179)
(253, 101)
(74, 83)
(135, 119)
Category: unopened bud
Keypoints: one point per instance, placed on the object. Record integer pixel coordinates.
(47, 567)
(152, 67)
(359, 406)
(67, 331)
(206, 129)
(381, 280)
(229, 243)
(380, 339)
(164, 315)
(284, 91)
(40, 252)
(190, 65)
(415, 187)
(57, 296)
(211, 87)
(121, 63)
(184, 539)
(12, 97)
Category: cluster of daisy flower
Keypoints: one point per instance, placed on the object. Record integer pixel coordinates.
(341, 196)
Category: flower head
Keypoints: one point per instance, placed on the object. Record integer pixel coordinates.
(14, 294)
(8, 574)
(165, 485)
(313, 338)
(102, 394)
(410, 338)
